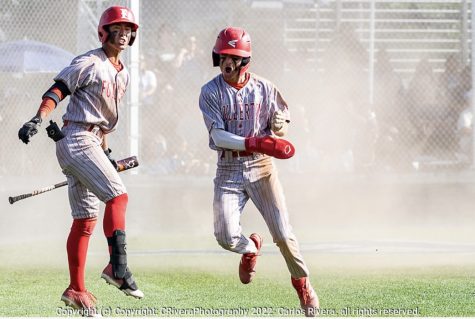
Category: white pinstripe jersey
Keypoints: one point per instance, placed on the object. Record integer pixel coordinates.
(245, 112)
(96, 90)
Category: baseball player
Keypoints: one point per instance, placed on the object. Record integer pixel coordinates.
(245, 114)
(96, 83)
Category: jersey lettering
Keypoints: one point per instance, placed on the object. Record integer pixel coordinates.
(239, 112)
(109, 90)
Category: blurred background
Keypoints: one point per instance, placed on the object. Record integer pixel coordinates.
(380, 95)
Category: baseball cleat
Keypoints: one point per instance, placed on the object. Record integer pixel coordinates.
(247, 266)
(308, 298)
(126, 284)
(84, 301)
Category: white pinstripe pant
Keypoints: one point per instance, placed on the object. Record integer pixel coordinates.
(254, 177)
(91, 176)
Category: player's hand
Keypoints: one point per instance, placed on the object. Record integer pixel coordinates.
(276, 147)
(29, 129)
(108, 154)
(278, 120)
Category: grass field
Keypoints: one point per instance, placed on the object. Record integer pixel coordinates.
(194, 286)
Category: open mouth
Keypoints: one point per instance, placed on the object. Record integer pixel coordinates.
(228, 69)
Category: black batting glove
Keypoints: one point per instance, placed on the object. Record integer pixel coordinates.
(108, 154)
(29, 129)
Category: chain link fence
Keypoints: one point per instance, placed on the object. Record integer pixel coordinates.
(372, 85)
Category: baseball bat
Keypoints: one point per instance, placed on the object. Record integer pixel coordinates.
(122, 165)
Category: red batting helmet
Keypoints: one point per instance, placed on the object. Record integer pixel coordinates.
(233, 41)
(116, 14)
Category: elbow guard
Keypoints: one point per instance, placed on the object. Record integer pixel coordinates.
(52, 95)
(57, 92)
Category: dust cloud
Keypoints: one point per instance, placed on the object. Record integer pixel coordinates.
(329, 216)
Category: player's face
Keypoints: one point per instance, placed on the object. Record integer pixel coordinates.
(119, 35)
(230, 66)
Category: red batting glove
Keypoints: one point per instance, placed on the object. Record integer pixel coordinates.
(275, 147)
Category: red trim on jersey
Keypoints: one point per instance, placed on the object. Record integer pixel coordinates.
(117, 66)
(239, 86)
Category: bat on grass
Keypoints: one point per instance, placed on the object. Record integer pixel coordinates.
(122, 165)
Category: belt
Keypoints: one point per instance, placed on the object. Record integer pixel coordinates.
(89, 127)
(241, 153)
(235, 154)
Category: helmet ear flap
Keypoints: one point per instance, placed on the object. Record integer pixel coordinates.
(107, 35)
(102, 34)
(215, 59)
(245, 61)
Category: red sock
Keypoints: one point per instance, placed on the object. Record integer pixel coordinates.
(114, 215)
(76, 246)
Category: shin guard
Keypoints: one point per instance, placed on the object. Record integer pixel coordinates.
(118, 257)
(118, 260)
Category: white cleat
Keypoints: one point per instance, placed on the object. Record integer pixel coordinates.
(126, 285)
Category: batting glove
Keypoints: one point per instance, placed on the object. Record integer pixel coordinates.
(278, 120)
(29, 129)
